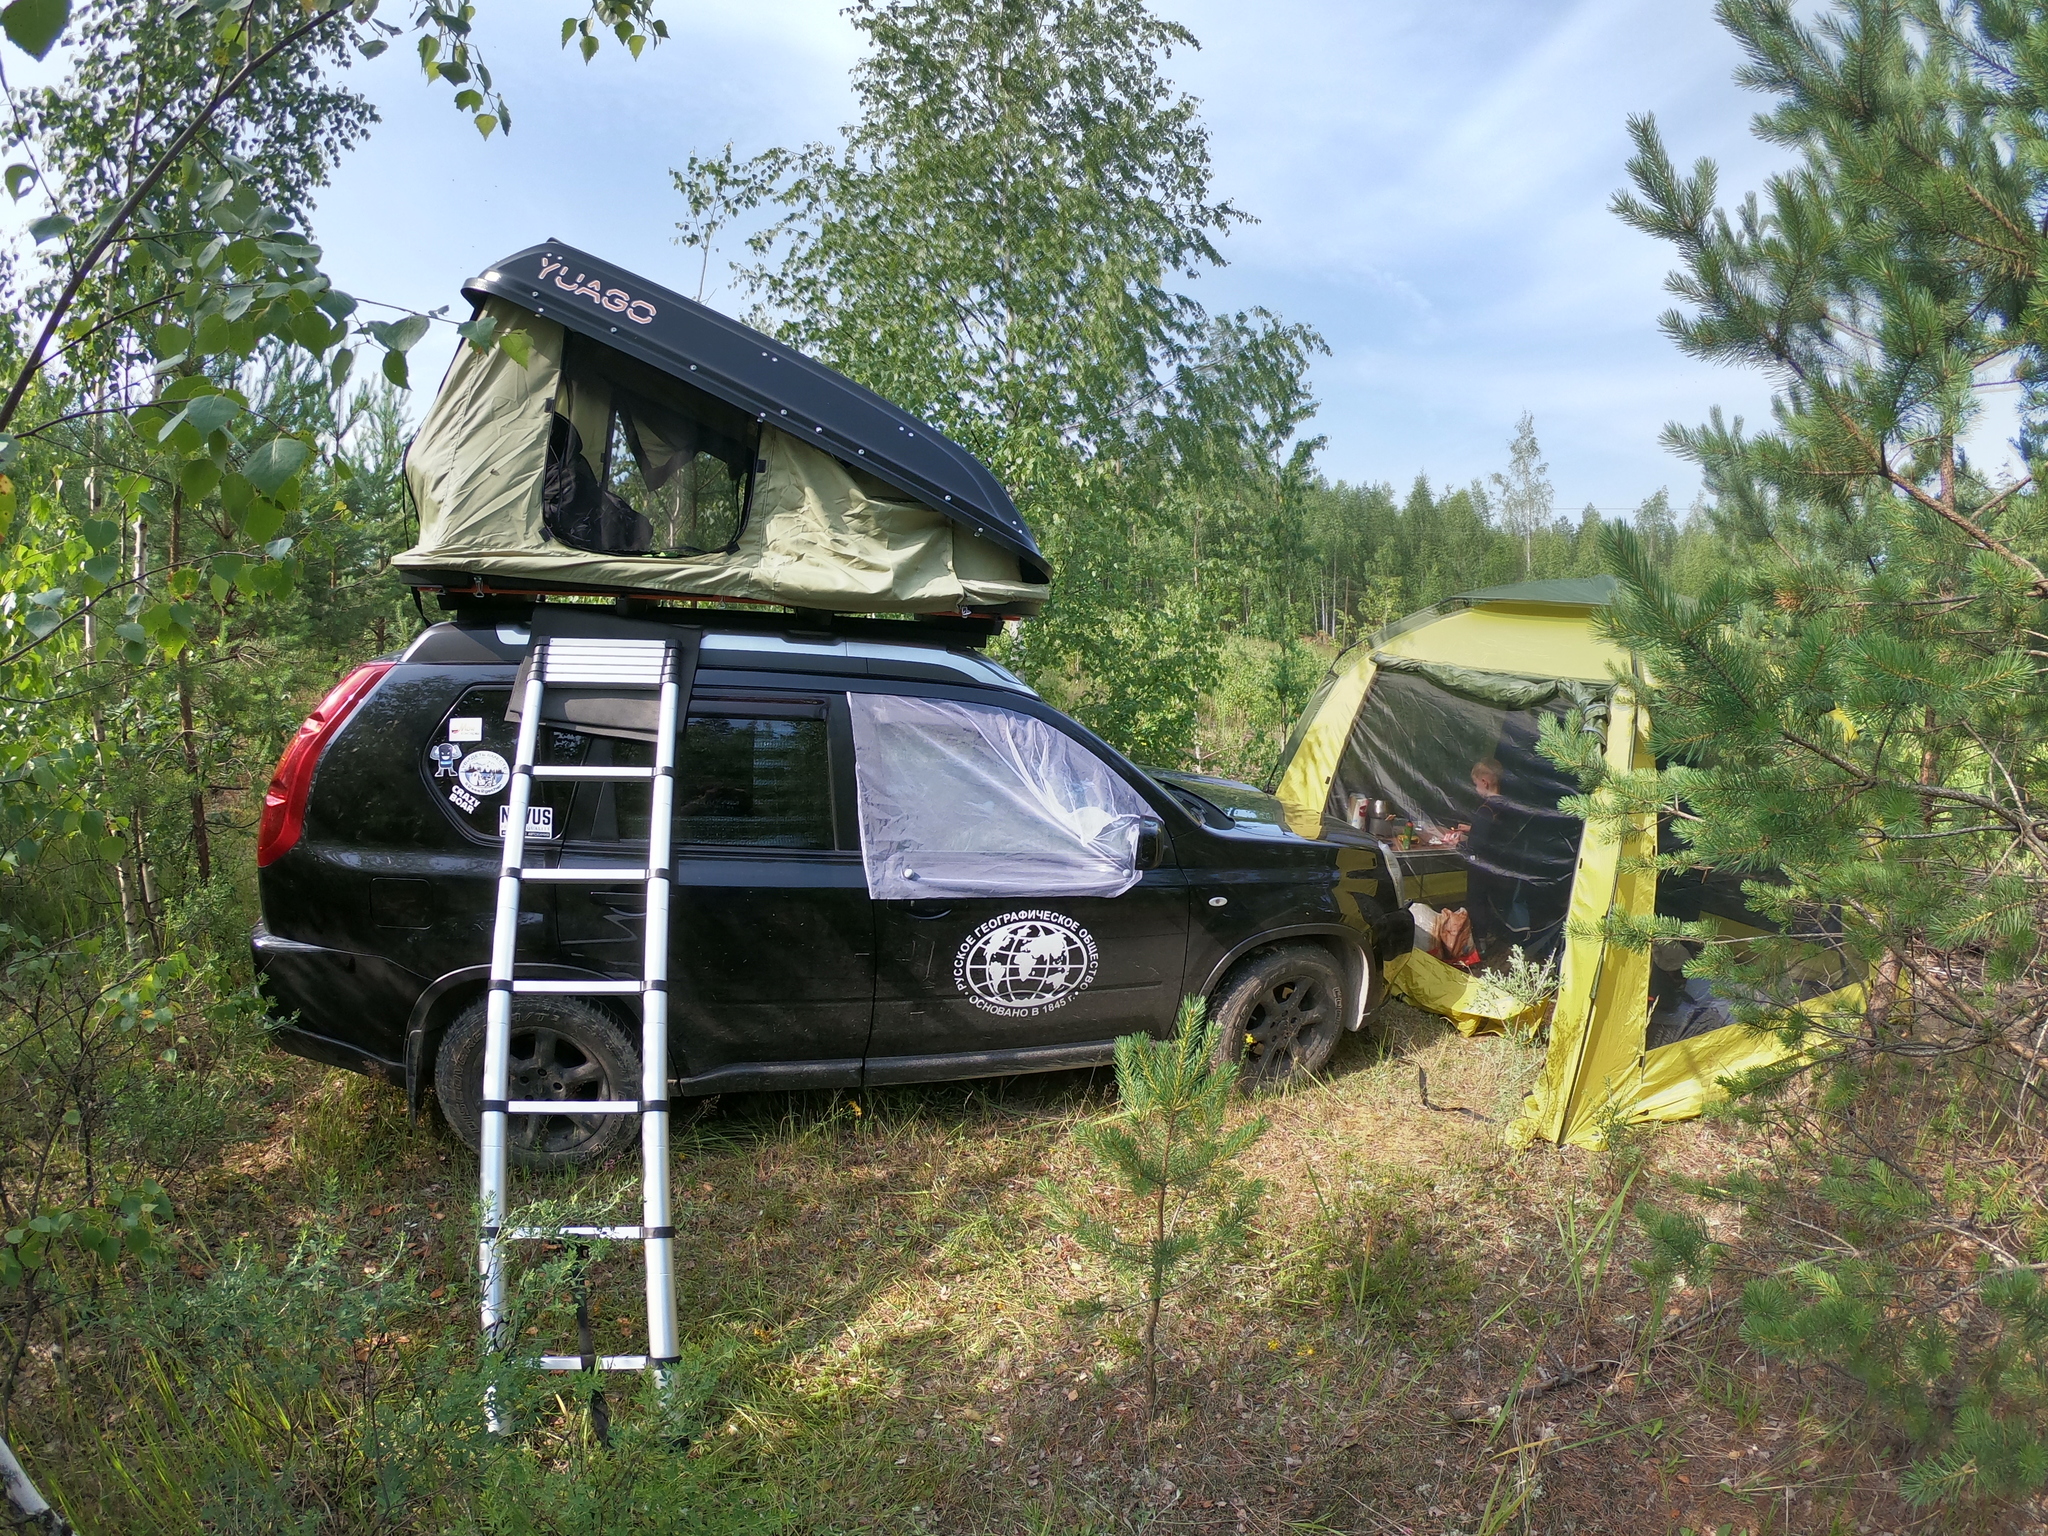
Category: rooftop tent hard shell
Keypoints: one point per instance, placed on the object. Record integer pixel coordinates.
(648, 444)
(1407, 731)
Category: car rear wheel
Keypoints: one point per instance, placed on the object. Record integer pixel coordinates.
(561, 1050)
(1279, 1014)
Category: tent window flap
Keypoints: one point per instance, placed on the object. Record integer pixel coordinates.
(962, 800)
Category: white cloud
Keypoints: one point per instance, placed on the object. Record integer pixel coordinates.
(1431, 184)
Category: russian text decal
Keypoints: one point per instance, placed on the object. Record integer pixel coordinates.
(1025, 963)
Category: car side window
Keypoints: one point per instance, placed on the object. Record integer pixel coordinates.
(751, 778)
(971, 800)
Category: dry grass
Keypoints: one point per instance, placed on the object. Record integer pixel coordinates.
(902, 1347)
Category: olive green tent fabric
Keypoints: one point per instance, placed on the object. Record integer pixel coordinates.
(818, 533)
(1501, 689)
(1565, 591)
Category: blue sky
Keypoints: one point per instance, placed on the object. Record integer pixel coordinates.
(1431, 185)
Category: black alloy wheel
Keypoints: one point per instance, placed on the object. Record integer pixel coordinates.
(561, 1050)
(1278, 1015)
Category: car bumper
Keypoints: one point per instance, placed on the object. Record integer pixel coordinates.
(334, 1006)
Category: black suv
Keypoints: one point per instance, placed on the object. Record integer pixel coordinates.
(379, 857)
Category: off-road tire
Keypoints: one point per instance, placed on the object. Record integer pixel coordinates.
(561, 1049)
(1279, 1015)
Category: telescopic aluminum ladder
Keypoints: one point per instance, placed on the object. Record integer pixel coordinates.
(661, 666)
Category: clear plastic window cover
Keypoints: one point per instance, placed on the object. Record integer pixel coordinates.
(963, 800)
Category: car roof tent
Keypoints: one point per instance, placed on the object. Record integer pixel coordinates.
(649, 445)
(1410, 717)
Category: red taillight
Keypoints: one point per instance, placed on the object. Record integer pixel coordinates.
(284, 803)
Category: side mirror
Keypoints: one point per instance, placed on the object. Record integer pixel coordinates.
(1151, 842)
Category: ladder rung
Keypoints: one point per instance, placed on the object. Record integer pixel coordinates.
(596, 873)
(604, 1362)
(633, 663)
(580, 988)
(540, 772)
(549, 1234)
(573, 1107)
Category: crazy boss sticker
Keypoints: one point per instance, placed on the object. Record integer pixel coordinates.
(1025, 963)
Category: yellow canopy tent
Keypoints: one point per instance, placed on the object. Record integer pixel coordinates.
(1424, 737)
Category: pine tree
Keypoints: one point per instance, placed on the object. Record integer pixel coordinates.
(1168, 1148)
(1857, 722)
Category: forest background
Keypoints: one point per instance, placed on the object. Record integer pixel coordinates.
(202, 496)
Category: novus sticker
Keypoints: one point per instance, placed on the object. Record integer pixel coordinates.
(1025, 963)
(484, 773)
(540, 820)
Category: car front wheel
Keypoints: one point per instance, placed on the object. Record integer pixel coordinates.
(1278, 1015)
(561, 1050)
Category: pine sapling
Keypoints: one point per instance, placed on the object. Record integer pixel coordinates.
(1167, 1147)
(1679, 1249)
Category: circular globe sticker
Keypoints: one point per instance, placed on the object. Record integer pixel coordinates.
(484, 773)
(1025, 963)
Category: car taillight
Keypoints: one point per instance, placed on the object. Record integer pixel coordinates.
(284, 803)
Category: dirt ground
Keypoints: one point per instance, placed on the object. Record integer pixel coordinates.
(1428, 1333)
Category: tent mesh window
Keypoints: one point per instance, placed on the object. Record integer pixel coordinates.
(639, 463)
(1421, 749)
(1815, 961)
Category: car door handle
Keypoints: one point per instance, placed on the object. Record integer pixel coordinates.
(929, 909)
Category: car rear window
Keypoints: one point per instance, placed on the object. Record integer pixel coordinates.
(468, 765)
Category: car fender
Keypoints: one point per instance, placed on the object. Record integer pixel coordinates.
(447, 996)
(1347, 944)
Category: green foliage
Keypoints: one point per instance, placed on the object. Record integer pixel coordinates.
(995, 245)
(1169, 1151)
(1968, 1384)
(192, 509)
(999, 243)
(1854, 721)
(1588, 1249)
(1679, 1249)
(124, 1224)
(34, 26)
(1524, 493)
(1520, 988)
(223, 1374)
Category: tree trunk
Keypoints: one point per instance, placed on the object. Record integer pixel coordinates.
(145, 881)
(1152, 1310)
(202, 848)
(129, 931)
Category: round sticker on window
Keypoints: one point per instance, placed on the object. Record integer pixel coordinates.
(1025, 963)
(484, 773)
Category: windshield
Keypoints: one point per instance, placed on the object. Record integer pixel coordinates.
(1225, 804)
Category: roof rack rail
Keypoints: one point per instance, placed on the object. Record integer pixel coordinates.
(973, 631)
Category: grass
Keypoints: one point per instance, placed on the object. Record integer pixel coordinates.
(885, 1335)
